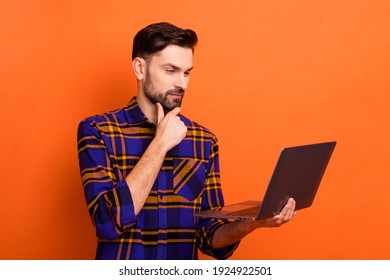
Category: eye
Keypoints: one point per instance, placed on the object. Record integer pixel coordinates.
(186, 74)
(170, 70)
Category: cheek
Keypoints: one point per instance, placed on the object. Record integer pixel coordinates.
(163, 83)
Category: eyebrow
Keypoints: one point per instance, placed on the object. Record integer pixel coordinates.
(176, 67)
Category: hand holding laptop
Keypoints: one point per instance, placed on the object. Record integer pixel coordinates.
(297, 175)
(285, 215)
(231, 233)
(293, 186)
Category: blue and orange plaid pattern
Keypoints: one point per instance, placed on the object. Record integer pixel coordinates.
(109, 146)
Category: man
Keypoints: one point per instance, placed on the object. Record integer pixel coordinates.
(146, 168)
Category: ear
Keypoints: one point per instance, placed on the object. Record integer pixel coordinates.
(139, 68)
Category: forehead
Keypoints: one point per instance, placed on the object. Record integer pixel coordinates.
(176, 55)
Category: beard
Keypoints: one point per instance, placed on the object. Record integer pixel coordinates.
(164, 99)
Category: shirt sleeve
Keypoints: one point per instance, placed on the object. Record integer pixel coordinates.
(110, 204)
(212, 198)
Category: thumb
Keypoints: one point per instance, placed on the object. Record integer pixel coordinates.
(160, 112)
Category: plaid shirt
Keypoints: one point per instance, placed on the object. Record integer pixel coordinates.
(109, 146)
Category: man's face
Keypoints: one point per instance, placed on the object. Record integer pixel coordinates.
(167, 76)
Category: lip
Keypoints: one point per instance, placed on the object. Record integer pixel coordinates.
(176, 95)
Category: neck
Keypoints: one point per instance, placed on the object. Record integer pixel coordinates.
(147, 107)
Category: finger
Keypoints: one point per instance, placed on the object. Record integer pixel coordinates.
(289, 214)
(285, 209)
(175, 111)
(160, 112)
(294, 205)
(286, 213)
(292, 209)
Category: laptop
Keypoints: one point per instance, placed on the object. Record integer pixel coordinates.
(298, 173)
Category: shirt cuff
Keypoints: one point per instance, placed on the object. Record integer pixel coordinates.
(122, 207)
(205, 235)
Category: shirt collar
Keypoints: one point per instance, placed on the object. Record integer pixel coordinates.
(134, 113)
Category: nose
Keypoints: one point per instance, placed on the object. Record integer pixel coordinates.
(182, 82)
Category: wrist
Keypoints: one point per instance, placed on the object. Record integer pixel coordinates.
(158, 147)
(250, 225)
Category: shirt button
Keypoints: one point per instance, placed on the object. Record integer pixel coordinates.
(162, 227)
(161, 196)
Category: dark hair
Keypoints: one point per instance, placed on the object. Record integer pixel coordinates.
(156, 37)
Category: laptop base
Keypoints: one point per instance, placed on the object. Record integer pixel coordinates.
(246, 210)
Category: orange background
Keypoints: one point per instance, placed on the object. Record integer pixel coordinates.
(268, 74)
